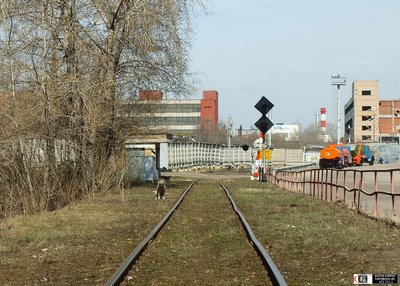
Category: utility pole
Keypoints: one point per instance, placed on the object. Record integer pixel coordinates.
(317, 121)
(338, 81)
(269, 132)
(230, 134)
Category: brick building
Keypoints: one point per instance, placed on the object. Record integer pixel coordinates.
(389, 120)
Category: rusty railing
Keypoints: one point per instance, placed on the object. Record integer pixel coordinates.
(374, 192)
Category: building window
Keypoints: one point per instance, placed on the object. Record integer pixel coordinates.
(349, 125)
(366, 92)
(179, 108)
(366, 128)
(366, 118)
(366, 138)
(349, 108)
(366, 108)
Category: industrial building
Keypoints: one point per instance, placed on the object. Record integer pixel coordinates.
(286, 131)
(389, 120)
(362, 112)
(174, 116)
(163, 121)
(369, 119)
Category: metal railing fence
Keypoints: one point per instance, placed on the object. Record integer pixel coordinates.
(373, 192)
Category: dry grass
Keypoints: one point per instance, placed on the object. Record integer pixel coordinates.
(203, 245)
(313, 242)
(83, 243)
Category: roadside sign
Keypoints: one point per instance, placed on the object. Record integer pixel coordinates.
(264, 105)
(264, 124)
(264, 155)
(268, 155)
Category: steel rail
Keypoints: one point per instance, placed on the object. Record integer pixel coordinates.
(123, 270)
(273, 271)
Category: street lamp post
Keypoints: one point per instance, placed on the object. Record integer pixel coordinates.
(338, 81)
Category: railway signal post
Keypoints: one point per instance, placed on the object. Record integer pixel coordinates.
(263, 124)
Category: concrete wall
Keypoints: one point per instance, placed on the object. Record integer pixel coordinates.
(287, 156)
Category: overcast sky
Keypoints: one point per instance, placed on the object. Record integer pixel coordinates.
(287, 50)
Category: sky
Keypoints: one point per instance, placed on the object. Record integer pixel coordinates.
(287, 50)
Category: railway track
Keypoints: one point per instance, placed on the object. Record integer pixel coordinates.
(209, 213)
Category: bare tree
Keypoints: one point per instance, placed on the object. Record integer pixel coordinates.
(75, 61)
(311, 134)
